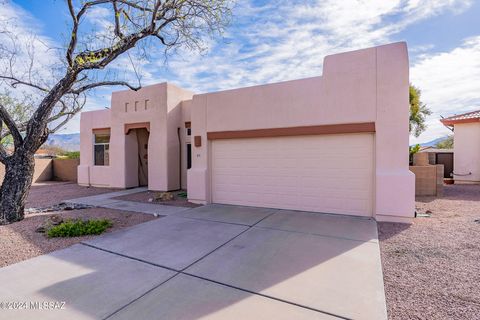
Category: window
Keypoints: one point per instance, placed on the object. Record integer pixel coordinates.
(101, 148)
(189, 155)
(188, 131)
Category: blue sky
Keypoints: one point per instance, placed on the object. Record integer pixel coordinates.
(271, 41)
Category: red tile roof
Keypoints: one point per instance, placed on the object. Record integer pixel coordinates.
(473, 116)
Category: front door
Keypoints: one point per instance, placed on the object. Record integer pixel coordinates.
(142, 139)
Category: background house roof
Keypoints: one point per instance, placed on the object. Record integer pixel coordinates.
(473, 116)
(435, 150)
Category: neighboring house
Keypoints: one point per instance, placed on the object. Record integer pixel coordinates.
(336, 143)
(466, 146)
(433, 156)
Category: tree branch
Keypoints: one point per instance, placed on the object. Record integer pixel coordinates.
(73, 36)
(21, 128)
(10, 123)
(103, 83)
(117, 31)
(14, 82)
(61, 124)
(170, 21)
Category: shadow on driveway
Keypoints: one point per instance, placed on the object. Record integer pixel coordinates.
(281, 264)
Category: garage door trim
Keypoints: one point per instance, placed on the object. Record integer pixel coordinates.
(364, 127)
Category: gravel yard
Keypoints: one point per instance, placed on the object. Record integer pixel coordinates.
(19, 241)
(50, 193)
(432, 268)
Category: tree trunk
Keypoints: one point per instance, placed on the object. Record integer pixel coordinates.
(16, 183)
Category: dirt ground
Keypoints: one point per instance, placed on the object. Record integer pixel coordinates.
(432, 267)
(50, 193)
(147, 195)
(19, 241)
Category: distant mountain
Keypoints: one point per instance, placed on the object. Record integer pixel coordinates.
(433, 142)
(68, 142)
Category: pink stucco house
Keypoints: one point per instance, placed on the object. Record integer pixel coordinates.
(466, 146)
(335, 143)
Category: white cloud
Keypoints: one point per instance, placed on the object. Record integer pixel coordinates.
(284, 40)
(287, 39)
(20, 35)
(450, 84)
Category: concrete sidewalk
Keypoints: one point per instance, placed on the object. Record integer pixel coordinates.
(211, 262)
(107, 200)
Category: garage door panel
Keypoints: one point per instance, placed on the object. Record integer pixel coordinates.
(329, 173)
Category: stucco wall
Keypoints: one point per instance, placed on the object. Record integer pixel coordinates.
(428, 180)
(369, 85)
(88, 174)
(176, 117)
(467, 152)
(43, 170)
(65, 169)
(421, 159)
(160, 107)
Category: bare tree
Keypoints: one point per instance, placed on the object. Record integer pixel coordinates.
(171, 23)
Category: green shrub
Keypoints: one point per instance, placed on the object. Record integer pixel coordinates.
(76, 228)
(71, 155)
(182, 195)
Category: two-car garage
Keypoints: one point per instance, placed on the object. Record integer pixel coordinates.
(335, 143)
(330, 173)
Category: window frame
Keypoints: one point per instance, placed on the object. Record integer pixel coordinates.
(106, 147)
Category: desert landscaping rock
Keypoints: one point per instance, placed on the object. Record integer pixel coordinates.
(431, 269)
(53, 220)
(58, 207)
(175, 198)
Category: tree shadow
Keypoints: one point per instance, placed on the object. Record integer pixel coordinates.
(307, 269)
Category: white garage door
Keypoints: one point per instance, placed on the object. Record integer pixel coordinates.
(323, 173)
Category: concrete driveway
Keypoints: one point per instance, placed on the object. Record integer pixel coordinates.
(211, 262)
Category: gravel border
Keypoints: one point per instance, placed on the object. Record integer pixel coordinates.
(19, 241)
(432, 267)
